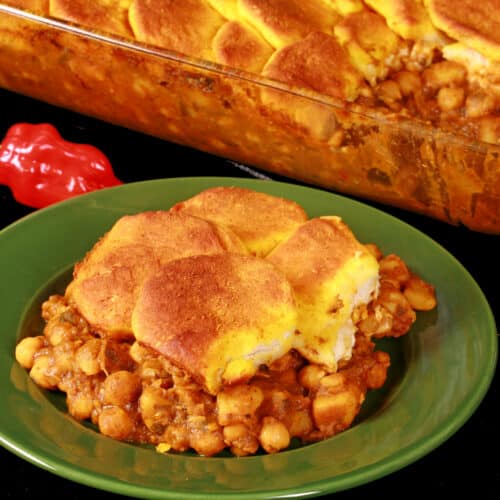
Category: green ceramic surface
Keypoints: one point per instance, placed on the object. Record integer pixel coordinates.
(439, 374)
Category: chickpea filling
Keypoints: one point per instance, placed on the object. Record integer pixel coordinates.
(132, 393)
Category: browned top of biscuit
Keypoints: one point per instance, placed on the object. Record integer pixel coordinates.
(331, 273)
(205, 313)
(474, 23)
(370, 31)
(239, 46)
(106, 15)
(106, 295)
(260, 220)
(171, 235)
(407, 18)
(315, 253)
(106, 281)
(186, 26)
(282, 22)
(302, 64)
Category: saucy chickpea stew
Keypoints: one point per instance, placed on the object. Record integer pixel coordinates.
(137, 393)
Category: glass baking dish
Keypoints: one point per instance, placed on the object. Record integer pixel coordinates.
(250, 119)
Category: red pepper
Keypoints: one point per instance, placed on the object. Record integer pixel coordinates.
(41, 168)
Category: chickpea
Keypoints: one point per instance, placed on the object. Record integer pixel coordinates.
(444, 73)
(43, 373)
(80, 406)
(310, 376)
(115, 422)
(334, 382)
(300, 423)
(388, 92)
(138, 353)
(53, 306)
(157, 410)
(207, 443)
(394, 269)
(377, 323)
(273, 436)
(177, 435)
(234, 432)
(335, 412)
(240, 439)
(152, 369)
(63, 358)
(479, 104)
(377, 374)
(399, 307)
(121, 387)
(450, 98)
(235, 403)
(489, 129)
(420, 295)
(87, 357)
(409, 82)
(57, 332)
(26, 350)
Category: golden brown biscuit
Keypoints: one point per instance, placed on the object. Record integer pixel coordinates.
(106, 15)
(331, 273)
(475, 24)
(106, 282)
(260, 220)
(239, 46)
(407, 18)
(186, 26)
(217, 317)
(106, 295)
(170, 235)
(282, 22)
(370, 43)
(302, 64)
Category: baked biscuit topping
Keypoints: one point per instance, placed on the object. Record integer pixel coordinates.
(408, 18)
(237, 208)
(287, 41)
(217, 317)
(331, 274)
(476, 24)
(107, 281)
(283, 22)
(187, 27)
(373, 48)
(302, 64)
(239, 46)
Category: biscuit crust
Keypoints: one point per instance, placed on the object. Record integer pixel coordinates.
(106, 282)
(217, 317)
(260, 220)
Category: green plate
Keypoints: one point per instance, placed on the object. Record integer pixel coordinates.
(439, 374)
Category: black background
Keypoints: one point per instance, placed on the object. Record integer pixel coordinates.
(465, 464)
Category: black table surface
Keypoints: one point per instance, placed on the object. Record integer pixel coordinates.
(466, 463)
